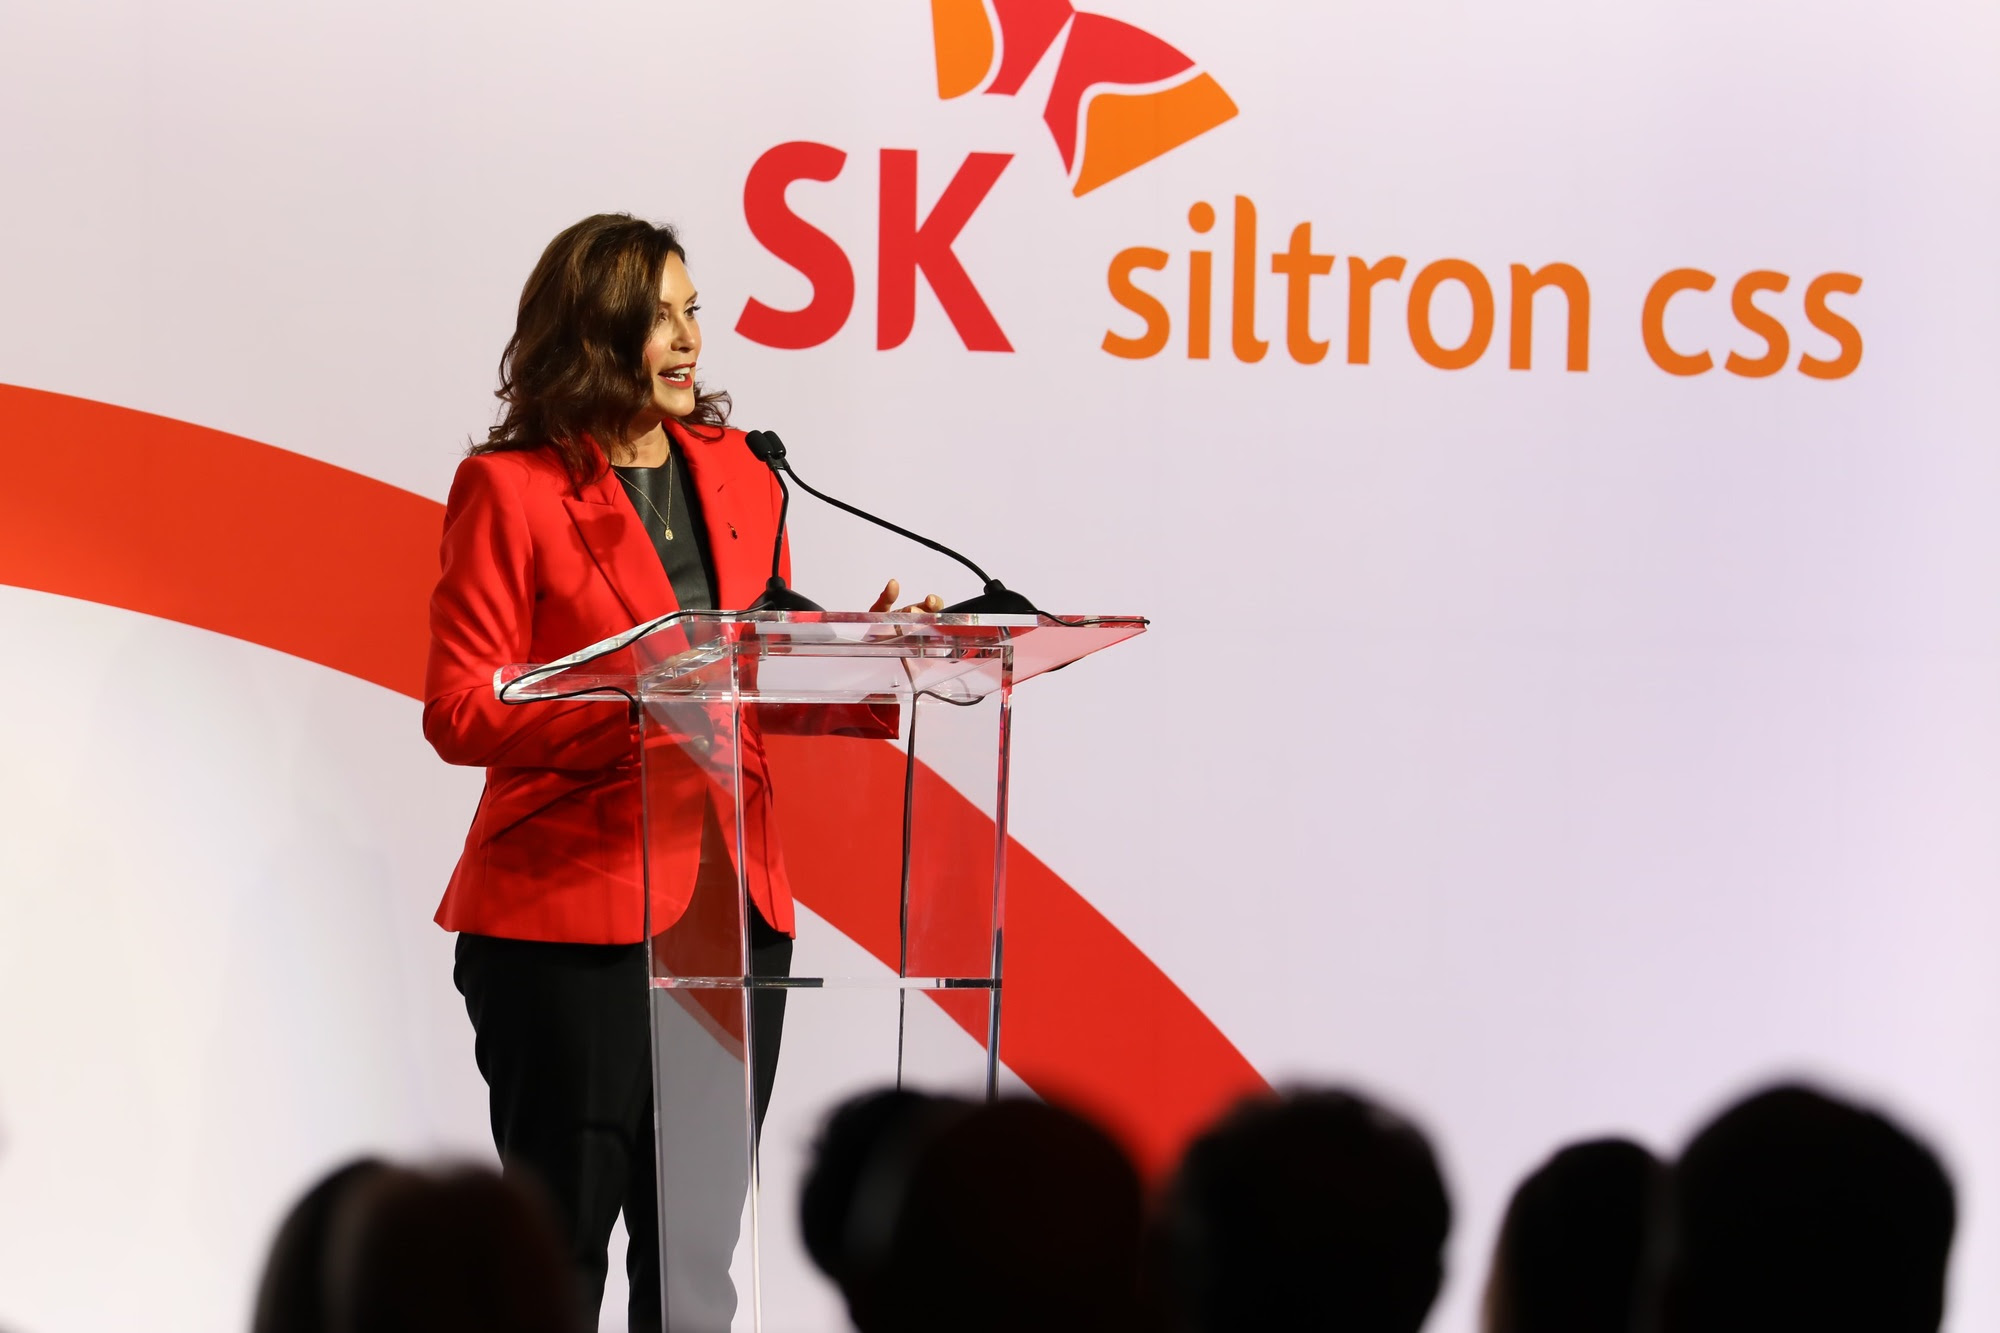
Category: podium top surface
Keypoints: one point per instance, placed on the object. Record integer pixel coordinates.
(816, 656)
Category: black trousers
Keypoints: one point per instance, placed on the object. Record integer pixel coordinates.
(561, 1033)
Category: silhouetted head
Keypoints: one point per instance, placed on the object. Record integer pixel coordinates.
(1573, 1245)
(879, 1130)
(994, 1218)
(291, 1297)
(454, 1251)
(1016, 1216)
(1795, 1210)
(1316, 1210)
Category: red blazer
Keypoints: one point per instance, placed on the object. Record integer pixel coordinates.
(530, 572)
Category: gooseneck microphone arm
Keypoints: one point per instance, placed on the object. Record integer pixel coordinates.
(777, 596)
(994, 596)
(919, 538)
(778, 538)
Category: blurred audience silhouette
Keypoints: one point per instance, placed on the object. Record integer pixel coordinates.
(1795, 1210)
(1573, 1245)
(1319, 1209)
(860, 1140)
(374, 1248)
(933, 1213)
(291, 1298)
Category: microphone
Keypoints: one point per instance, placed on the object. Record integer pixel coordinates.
(994, 598)
(777, 596)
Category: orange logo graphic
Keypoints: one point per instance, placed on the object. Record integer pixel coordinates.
(1121, 96)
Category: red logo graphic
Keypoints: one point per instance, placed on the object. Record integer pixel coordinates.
(1121, 97)
(905, 246)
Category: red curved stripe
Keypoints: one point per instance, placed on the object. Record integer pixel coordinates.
(230, 535)
(216, 531)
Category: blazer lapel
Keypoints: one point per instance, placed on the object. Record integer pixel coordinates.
(617, 541)
(710, 474)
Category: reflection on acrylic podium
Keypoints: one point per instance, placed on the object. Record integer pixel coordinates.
(899, 726)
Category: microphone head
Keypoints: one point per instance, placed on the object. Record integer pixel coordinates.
(766, 445)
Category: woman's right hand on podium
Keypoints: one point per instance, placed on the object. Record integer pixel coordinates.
(931, 605)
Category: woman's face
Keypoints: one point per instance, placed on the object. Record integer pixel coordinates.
(675, 342)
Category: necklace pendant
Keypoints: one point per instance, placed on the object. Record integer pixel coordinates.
(668, 531)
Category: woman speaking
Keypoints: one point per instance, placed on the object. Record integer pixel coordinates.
(611, 492)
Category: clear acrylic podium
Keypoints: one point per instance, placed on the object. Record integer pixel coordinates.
(863, 760)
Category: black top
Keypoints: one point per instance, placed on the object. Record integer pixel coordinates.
(662, 499)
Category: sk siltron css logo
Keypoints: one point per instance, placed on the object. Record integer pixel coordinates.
(1120, 98)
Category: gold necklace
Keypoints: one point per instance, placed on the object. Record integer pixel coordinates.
(666, 519)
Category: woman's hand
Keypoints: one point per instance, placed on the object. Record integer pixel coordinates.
(892, 590)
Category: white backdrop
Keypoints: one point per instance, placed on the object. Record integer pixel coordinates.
(1555, 752)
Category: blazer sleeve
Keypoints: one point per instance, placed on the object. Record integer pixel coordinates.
(482, 618)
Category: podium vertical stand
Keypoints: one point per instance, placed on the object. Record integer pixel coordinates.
(862, 759)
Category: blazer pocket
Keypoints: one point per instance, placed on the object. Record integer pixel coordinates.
(524, 793)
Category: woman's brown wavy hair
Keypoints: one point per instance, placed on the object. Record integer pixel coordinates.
(575, 369)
